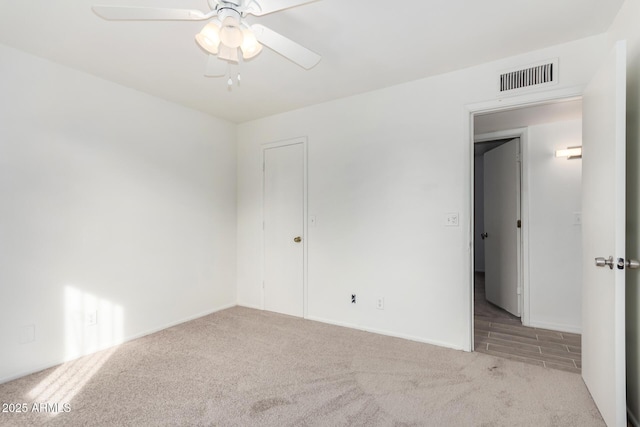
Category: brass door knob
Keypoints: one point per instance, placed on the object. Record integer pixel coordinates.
(297, 239)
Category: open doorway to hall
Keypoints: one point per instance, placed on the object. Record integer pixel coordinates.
(527, 235)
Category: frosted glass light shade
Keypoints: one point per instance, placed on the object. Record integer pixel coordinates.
(209, 38)
(230, 33)
(228, 53)
(250, 46)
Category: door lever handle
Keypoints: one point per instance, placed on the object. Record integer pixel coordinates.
(602, 262)
(297, 239)
(632, 264)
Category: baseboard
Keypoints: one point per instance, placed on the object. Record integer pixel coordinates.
(57, 362)
(384, 332)
(33, 370)
(186, 319)
(632, 419)
(254, 307)
(555, 327)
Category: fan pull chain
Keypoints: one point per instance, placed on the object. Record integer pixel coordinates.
(230, 80)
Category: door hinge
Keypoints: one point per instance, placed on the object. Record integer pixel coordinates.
(519, 224)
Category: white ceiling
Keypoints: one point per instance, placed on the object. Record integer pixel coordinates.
(365, 45)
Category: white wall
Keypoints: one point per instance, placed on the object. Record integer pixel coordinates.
(626, 27)
(384, 169)
(113, 202)
(555, 241)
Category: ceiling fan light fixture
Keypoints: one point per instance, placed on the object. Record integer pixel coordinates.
(209, 38)
(250, 46)
(227, 37)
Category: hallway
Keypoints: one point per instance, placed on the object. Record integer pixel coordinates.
(500, 333)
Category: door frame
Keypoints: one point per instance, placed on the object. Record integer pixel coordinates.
(522, 242)
(492, 106)
(278, 144)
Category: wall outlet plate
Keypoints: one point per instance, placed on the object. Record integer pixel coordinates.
(380, 303)
(91, 318)
(452, 219)
(577, 218)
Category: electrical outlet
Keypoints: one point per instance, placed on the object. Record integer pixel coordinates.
(451, 219)
(577, 218)
(91, 318)
(353, 298)
(380, 303)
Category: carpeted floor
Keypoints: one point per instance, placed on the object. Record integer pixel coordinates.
(244, 367)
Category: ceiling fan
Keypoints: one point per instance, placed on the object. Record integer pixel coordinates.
(227, 37)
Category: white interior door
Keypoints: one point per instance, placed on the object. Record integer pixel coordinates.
(603, 199)
(501, 213)
(283, 229)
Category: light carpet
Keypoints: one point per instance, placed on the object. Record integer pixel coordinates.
(244, 367)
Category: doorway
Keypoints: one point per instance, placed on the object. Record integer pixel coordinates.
(550, 225)
(284, 226)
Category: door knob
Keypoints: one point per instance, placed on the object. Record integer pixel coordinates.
(484, 236)
(297, 239)
(602, 262)
(632, 263)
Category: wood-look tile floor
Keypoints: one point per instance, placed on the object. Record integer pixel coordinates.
(500, 333)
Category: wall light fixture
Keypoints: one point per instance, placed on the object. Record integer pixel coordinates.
(570, 153)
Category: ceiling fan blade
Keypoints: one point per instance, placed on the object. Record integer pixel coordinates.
(215, 67)
(130, 13)
(270, 6)
(285, 47)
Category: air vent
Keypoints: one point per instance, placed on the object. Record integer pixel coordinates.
(535, 75)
